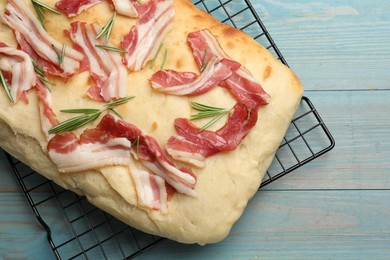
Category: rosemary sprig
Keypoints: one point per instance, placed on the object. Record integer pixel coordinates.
(110, 48)
(60, 56)
(42, 75)
(106, 30)
(205, 111)
(6, 88)
(39, 12)
(44, 6)
(40, 8)
(88, 115)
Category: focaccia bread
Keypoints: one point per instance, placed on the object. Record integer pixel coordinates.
(225, 180)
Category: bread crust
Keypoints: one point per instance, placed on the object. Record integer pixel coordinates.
(224, 186)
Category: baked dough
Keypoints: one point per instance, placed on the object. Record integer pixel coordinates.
(229, 179)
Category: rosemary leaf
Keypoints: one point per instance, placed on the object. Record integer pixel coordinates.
(38, 69)
(206, 111)
(106, 30)
(44, 6)
(60, 57)
(46, 83)
(44, 80)
(87, 116)
(39, 8)
(39, 12)
(74, 123)
(110, 48)
(164, 59)
(202, 107)
(155, 56)
(215, 119)
(42, 76)
(204, 63)
(118, 102)
(63, 53)
(81, 110)
(136, 144)
(6, 88)
(110, 27)
(115, 112)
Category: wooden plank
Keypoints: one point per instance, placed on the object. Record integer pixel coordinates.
(326, 46)
(276, 224)
(360, 125)
(294, 225)
(21, 236)
(9, 182)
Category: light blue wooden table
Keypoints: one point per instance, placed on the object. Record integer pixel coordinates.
(337, 206)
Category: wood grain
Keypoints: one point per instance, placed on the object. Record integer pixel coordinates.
(21, 236)
(360, 125)
(332, 45)
(291, 224)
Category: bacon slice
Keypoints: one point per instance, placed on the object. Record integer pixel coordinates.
(48, 117)
(125, 7)
(193, 147)
(94, 149)
(151, 190)
(214, 72)
(150, 154)
(184, 150)
(246, 89)
(144, 39)
(21, 74)
(74, 7)
(39, 43)
(241, 83)
(168, 78)
(105, 67)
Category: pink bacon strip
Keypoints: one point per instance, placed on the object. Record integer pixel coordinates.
(151, 190)
(214, 72)
(106, 67)
(48, 117)
(94, 149)
(19, 17)
(125, 7)
(144, 39)
(167, 78)
(20, 70)
(150, 154)
(74, 7)
(241, 83)
(21, 73)
(193, 147)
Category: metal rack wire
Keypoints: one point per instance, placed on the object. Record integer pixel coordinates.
(88, 233)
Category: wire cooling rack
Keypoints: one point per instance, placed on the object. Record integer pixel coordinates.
(88, 233)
